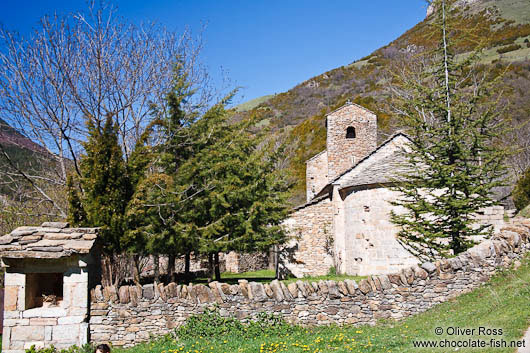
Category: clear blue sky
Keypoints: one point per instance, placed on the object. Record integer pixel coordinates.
(265, 46)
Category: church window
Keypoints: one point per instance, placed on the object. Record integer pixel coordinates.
(350, 132)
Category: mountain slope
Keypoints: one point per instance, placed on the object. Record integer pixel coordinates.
(298, 115)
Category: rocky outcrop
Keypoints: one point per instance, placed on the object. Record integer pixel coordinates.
(459, 3)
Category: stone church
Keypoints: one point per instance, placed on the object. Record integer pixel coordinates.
(345, 223)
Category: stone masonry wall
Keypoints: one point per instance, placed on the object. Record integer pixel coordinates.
(343, 153)
(310, 251)
(371, 247)
(63, 325)
(240, 262)
(316, 174)
(128, 315)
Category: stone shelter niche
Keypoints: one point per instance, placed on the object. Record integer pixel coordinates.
(49, 273)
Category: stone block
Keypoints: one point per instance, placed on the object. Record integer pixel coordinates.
(16, 322)
(39, 321)
(14, 279)
(6, 338)
(65, 333)
(68, 320)
(333, 290)
(293, 289)
(351, 285)
(203, 293)
(277, 291)
(75, 275)
(10, 297)
(123, 294)
(44, 312)
(365, 287)
(22, 333)
(258, 291)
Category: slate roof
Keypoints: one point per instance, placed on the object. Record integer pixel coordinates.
(51, 240)
(387, 170)
(381, 172)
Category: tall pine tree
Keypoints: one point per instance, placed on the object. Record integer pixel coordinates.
(453, 158)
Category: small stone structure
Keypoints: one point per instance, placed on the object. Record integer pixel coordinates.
(49, 272)
(128, 315)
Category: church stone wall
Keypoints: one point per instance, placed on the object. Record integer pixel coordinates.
(316, 174)
(309, 252)
(343, 153)
(370, 242)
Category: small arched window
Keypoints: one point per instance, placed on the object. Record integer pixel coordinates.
(350, 132)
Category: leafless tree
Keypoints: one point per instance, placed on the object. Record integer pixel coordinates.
(85, 65)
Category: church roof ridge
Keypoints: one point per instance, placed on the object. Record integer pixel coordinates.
(326, 189)
(348, 103)
(316, 155)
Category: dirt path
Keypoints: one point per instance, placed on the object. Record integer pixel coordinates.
(526, 339)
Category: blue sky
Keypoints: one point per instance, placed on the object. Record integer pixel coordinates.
(264, 46)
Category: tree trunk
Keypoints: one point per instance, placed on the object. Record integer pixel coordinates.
(171, 268)
(276, 262)
(187, 261)
(217, 269)
(136, 275)
(210, 267)
(156, 268)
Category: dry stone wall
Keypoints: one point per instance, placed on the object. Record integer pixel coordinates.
(128, 315)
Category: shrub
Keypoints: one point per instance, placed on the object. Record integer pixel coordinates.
(521, 192)
(212, 324)
(508, 48)
(87, 348)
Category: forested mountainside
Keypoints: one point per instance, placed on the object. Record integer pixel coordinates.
(297, 116)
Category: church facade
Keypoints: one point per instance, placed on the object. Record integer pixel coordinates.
(345, 223)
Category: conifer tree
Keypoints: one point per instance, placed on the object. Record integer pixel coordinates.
(105, 184)
(521, 192)
(453, 160)
(237, 196)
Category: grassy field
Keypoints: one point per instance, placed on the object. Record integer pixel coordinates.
(243, 107)
(266, 276)
(502, 303)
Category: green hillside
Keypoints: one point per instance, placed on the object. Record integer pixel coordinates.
(298, 115)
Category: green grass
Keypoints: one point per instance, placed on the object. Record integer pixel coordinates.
(265, 276)
(325, 278)
(502, 303)
(525, 212)
(253, 103)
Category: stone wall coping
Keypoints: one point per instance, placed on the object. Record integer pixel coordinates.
(514, 238)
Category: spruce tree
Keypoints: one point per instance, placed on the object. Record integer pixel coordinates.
(453, 161)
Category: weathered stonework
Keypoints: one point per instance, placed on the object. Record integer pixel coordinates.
(310, 250)
(359, 179)
(343, 153)
(54, 252)
(240, 262)
(316, 174)
(128, 315)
